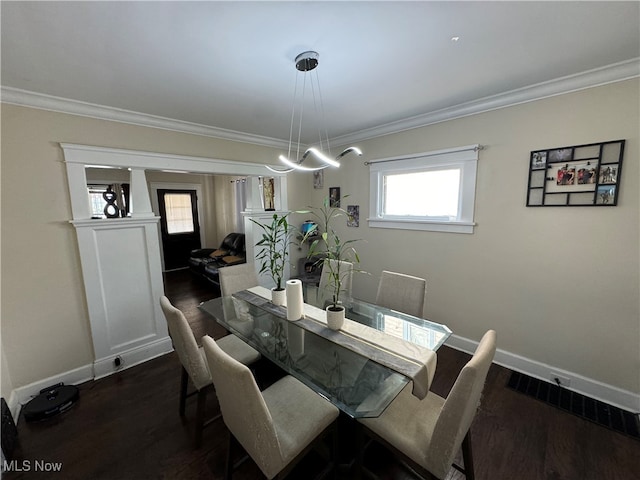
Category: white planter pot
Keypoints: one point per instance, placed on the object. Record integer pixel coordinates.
(278, 296)
(335, 318)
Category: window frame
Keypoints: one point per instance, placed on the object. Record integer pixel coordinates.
(464, 158)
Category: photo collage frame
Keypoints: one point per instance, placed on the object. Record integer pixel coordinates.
(579, 175)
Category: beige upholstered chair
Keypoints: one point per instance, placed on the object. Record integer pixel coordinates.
(275, 427)
(402, 293)
(194, 365)
(324, 290)
(427, 434)
(237, 277)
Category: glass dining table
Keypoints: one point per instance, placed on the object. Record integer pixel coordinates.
(357, 384)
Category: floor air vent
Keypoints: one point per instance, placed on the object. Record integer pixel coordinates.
(593, 410)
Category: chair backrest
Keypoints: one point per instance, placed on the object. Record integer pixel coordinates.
(402, 293)
(235, 278)
(346, 274)
(185, 344)
(460, 407)
(244, 410)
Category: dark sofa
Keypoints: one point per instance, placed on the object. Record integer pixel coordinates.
(206, 261)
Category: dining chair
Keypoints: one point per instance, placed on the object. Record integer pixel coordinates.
(427, 434)
(323, 286)
(235, 278)
(275, 427)
(194, 365)
(403, 293)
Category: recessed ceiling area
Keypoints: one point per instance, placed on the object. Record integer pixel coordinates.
(230, 65)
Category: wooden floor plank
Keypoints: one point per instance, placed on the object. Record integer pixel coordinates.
(127, 426)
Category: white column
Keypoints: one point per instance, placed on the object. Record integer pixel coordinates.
(120, 261)
(77, 179)
(140, 200)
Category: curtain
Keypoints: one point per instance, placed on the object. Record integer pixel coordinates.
(241, 203)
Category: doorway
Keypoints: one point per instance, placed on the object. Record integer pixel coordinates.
(179, 226)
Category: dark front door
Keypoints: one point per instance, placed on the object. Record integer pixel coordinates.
(179, 226)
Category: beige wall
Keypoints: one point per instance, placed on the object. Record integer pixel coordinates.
(45, 325)
(559, 284)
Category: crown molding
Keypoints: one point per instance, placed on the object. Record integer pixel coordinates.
(593, 78)
(52, 103)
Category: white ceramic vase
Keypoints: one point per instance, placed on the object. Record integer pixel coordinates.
(278, 296)
(335, 317)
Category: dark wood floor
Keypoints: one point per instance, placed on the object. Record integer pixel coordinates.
(127, 426)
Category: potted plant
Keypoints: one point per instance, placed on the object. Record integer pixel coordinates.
(333, 251)
(274, 252)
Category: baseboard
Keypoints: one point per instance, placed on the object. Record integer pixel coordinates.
(24, 394)
(98, 369)
(129, 358)
(591, 388)
(14, 405)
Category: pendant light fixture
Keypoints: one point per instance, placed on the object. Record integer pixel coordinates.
(306, 62)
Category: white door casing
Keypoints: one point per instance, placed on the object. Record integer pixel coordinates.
(120, 257)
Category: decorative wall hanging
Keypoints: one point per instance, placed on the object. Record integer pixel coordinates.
(353, 220)
(268, 193)
(318, 179)
(576, 176)
(334, 197)
(116, 197)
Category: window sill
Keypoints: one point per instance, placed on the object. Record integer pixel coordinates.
(425, 225)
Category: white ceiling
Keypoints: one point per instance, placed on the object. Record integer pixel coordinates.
(229, 65)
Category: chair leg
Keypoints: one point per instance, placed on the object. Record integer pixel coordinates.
(360, 448)
(363, 441)
(202, 403)
(228, 468)
(335, 449)
(184, 381)
(467, 457)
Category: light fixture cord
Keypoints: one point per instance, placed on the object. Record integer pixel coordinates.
(304, 88)
(293, 115)
(322, 116)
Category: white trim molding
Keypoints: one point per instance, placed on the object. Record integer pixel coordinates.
(105, 366)
(122, 274)
(592, 78)
(94, 156)
(120, 257)
(617, 72)
(99, 369)
(464, 160)
(587, 386)
(16, 96)
(21, 395)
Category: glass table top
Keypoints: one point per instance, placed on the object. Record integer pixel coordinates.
(416, 330)
(357, 385)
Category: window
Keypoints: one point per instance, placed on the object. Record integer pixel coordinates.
(97, 201)
(179, 212)
(429, 191)
(119, 199)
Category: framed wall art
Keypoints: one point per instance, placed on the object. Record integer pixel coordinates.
(334, 197)
(353, 212)
(576, 176)
(318, 179)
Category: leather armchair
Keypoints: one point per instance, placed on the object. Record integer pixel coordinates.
(207, 261)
